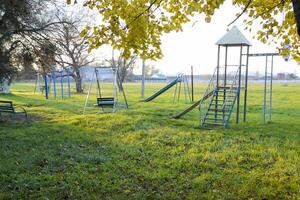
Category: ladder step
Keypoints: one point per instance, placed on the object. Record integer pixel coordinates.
(221, 95)
(218, 110)
(212, 124)
(217, 114)
(216, 119)
(220, 100)
(226, 87)
(219, 105)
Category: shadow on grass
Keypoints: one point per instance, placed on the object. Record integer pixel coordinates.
(129, 158)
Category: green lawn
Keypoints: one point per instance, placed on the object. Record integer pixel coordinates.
(141, 153)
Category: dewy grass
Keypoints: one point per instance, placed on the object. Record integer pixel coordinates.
(141, 153)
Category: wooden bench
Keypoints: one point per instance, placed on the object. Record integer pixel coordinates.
(8, 107)
(105, 102)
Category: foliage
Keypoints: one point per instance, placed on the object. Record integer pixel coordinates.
(20, 28)
(136, 26)
(143, 154)
(151, 70)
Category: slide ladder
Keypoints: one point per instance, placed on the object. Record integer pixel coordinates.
(217, 111)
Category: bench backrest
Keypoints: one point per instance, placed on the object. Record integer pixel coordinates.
(6, 106)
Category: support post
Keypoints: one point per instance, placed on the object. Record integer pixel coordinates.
(46, 86)
(62, 83)
(69, 84)
(218, 66)
(271, 88)
(265, 92)
(246, 85)
(225, 79)
(225, 67)
(217, 84)
(143, 79)
(192, 82)
(239, 87)
(54, 82)
(98, 83)
(88, 95)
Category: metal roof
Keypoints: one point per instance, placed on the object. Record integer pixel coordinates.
(234, 37)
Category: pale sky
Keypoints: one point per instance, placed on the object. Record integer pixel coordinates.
(196, 46)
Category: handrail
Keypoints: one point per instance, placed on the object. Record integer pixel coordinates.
(234, 83)
(203, 104)
(231, 90)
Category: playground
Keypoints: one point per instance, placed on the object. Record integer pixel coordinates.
(142, 153)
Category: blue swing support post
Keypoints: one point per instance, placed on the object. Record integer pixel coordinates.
(56, 79)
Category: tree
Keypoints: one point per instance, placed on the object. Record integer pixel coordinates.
(72, 50)
(24, 60)
(45, 56)
(125, 66)
(136, 26)
(150, 70)
(21, 26)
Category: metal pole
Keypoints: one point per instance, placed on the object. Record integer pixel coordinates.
(179, 91)
(246, 85)
(69, 84)
(218, 66)
(46, 86)
(62, 83)
(175, 93)
(143, 79)
(225, 68)
(239, 87)
(271, 88)
(217, 84)
(115, 91)
(265, 91)
(98, 83)
(54, 81)
(225, 79)
(192, 82)
(88, 95)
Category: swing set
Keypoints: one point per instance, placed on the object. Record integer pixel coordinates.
(106, 93)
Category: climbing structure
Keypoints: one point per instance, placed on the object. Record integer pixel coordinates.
(227, 87)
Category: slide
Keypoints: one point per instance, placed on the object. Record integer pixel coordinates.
(171, 84)
(177, 116)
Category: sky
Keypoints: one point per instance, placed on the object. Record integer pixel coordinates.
(195, 46)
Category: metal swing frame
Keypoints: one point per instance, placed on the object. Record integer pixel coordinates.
(103, 102)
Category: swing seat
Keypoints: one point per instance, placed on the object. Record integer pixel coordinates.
(105, 102)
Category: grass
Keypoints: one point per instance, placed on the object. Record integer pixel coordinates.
(141, 153)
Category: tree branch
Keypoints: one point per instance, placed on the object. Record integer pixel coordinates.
(244, 10)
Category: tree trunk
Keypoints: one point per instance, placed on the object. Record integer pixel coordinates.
(78, 83)
(121, 78)
(78, 80)
(296, 6)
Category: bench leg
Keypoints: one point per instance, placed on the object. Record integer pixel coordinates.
(26, 116)
(13, 117)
